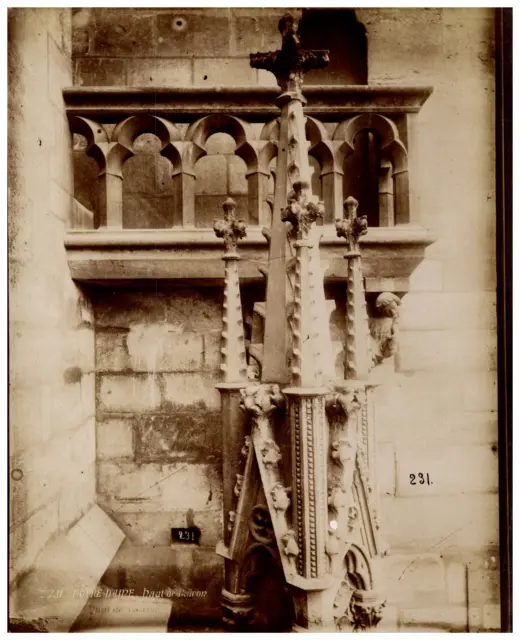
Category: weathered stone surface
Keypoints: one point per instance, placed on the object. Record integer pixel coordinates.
(416, 578)
(59, 73)
(440, 522)
(187, 309)
(28, 538)
(114, 438)
(38, 479)
(154, 528)
(234, 72)
(123, 34)
(448, 618)
(484, 578)
(180, 33)
(136, 392)
(155, 486)
(452, 470)
(183, 435)
(157, 72)
(100, 72)
(257, 31)
(221, 143)
(111, 351)
(212, 355)
(147, 173)
(209, 208)
(162, 347)
(480, 391)
(67, 569)
(237, 180)
(191, 577)
(131, 614)
(386, 466)
(456, 582)
(148, 212)
(447, 350)
(211, 176)
(446, 310)
(70, 509)
(184, 389)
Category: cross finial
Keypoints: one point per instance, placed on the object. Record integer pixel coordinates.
(352, 226)
(300, 213)
(291, 62)
(230, 229)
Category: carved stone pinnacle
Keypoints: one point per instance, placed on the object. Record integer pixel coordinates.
(291, 62)
(300, 213)
(352, 227)
(230, 229)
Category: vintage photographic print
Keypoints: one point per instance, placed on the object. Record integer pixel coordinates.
(256, 330)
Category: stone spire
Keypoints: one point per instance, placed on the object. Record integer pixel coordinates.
(357, 353)
(233, 361)
(289, 65)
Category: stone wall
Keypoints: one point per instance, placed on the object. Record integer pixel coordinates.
(158, 436)
(436, 412)
(51, 341)
(438, 415)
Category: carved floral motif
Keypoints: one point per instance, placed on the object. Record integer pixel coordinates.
(271, 455)
(280, 497)
(299, 212)
(290, 548)
(261, 400)
(352, 227)
(238, 485)
(230, 229)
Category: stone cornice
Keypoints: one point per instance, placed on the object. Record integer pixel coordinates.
(328, 102)
(190, 256)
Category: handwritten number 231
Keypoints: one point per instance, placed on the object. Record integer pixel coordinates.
(421, 479)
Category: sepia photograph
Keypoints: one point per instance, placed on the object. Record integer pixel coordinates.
(259, 280)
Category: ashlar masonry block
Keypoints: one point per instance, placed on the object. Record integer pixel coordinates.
(114, 438)
(409, 577)
(223, 71)
(161, 347)
(447, 350)
(155, 486)
(440, 522)
(184, 389)
(446, 470)
(137, 392)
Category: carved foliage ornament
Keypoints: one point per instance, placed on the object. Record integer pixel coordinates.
(260, 400)
(352, 227)
(291, 63)
(230, 229)
(300, 213)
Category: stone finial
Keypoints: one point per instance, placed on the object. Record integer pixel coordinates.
(300, 213)
(230, 229)
(352, 227)
(291, 62)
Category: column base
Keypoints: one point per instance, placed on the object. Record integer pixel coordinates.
(237, 610)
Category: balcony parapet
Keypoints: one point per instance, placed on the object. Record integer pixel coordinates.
(193, 256)
(254, 103)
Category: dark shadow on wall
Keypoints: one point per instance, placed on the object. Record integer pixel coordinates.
(338, 31)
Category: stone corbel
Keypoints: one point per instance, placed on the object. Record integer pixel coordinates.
(384, 327)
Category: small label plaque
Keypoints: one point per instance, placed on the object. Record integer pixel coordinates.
(186, 535)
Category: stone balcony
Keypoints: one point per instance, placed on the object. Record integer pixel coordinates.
(102, 251)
